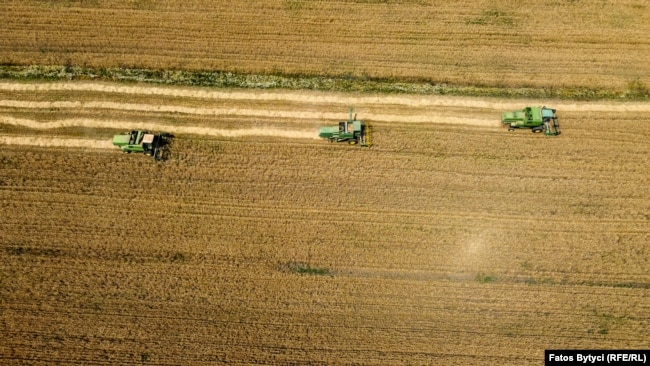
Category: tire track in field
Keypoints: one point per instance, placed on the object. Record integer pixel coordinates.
(316, 97)
(433, 117)
(56, 142)
(129, 125)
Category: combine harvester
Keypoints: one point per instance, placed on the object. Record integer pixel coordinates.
(538, 119)
(350, 131)
(142, 142)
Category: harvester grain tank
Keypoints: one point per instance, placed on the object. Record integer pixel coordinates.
(538, 119)
(138, 141)
(351, 131)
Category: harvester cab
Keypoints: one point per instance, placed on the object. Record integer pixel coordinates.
(352, 131)
(538, 119)
(142, 142)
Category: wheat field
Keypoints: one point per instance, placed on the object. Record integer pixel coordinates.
(450, 241)
(547, 44)
(446, 242)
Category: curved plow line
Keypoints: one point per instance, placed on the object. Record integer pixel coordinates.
(317, 116)
(321, 98)
(128, 125)
(56, 142)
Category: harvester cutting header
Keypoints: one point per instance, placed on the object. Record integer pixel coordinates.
(351, 131)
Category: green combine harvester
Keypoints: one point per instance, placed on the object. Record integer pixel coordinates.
(350, 131)
(538, 119)
(142, 142)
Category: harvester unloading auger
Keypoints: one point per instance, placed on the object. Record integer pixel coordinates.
(351, 131)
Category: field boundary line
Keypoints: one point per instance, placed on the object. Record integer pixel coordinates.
(321, 97)
(341, 83)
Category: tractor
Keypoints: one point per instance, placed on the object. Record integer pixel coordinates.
(142, 142)
(538, 119)
(350, 131)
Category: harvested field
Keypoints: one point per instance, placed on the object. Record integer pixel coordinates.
(450, 241)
